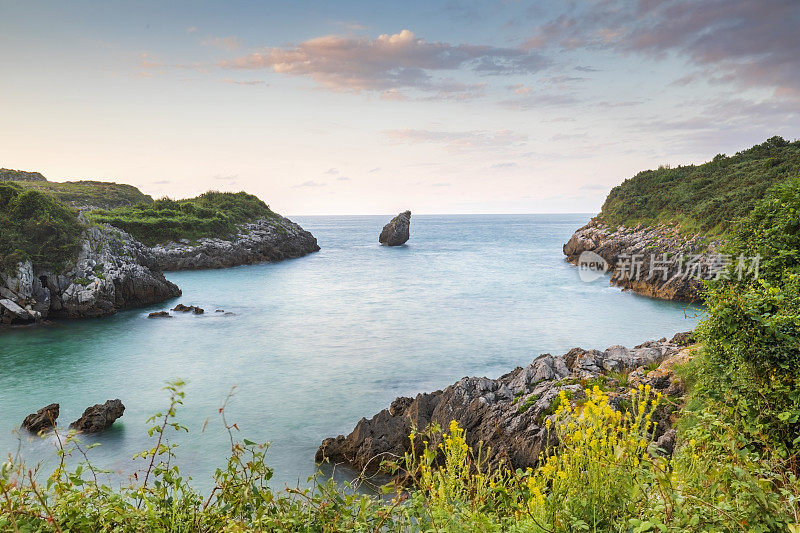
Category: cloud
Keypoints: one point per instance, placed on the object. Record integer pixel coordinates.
(458, 139)
(225, 43)
(389, 62)
(243, 82)
(376, 169)
(191, 29)
(342, 178)
(509, 164)
(309, 183)
(332, 171)
(749, 43)
(583, 68)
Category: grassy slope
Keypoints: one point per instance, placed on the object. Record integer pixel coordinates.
(96, 194)
(703, 198)
(212, 214)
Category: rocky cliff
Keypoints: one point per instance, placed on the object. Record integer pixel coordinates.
(655, 261)
(508, 414)
(257, 242)
(112, 271)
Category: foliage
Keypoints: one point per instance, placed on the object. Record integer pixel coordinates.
(212, 214)
(37, 227)
(752, 333)
(703, 198)
(90, 194)
(601, 476)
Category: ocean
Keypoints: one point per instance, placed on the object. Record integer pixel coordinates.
(313, 344)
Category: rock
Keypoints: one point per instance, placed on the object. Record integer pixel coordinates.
(265, 240)
(187, 308)
(683, 339)
(99, 417)
(665, 444)
(507, 415)
(43, 419)
(396, 232)
(654, 274)
(159, 314)
(112, 271)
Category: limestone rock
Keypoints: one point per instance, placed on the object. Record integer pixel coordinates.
(41, 420)
(507, 414)
(263, 241)
(99, 417)
(396, 232)
(159, 314)
(189, 308)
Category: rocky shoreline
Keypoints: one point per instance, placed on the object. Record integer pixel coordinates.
(113, 271)
(508, 415)
(655, 261)
(262, 241)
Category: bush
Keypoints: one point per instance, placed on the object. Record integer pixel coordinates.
(752, 331)
(37, 227)
(707, 198)
(212, 214)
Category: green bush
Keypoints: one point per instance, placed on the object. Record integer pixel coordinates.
(703, 198)
(752, 332)
(36, 226)
(212, 214)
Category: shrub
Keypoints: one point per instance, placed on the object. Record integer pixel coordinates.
(751, 334)
(36, 226)
(212, 214)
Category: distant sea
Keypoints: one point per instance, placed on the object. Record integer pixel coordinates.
(318, 342)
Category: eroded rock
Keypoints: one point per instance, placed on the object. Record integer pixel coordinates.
(99, 417)
(42, 420)
(507, 415)
(397, 231)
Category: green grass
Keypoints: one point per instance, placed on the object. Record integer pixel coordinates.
(212, 214)
(96, 194)
(35, 226)
(705, 198)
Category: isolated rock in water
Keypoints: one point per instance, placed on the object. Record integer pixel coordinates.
(44, 418)
(99, 417)
(159, 314)
(186, 308)
(396, 232)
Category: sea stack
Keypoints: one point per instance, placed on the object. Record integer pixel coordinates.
(396, 232)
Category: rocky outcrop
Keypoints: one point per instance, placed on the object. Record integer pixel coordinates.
(112, 271)
(656, 261)
(508, 414)
(262, 241)
(180, 308)
(396, 232)
(42, 420)
(98, 417)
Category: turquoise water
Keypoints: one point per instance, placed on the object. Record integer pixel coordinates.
(318, 342)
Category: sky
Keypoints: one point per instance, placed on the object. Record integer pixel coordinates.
(377, 107)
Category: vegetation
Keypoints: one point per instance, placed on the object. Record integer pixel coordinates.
(212, 214)
(35, 226)
(703, 198)
(90, 194)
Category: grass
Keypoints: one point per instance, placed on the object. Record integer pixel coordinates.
(93, 194)
(705, 198)
(212, 214)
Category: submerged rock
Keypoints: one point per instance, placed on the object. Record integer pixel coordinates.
(159, 314)
(187, 308)
(396, 232)
(41, 420)
(508, 415)
(99, 417)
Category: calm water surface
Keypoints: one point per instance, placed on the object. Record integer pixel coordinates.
(318, 342)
